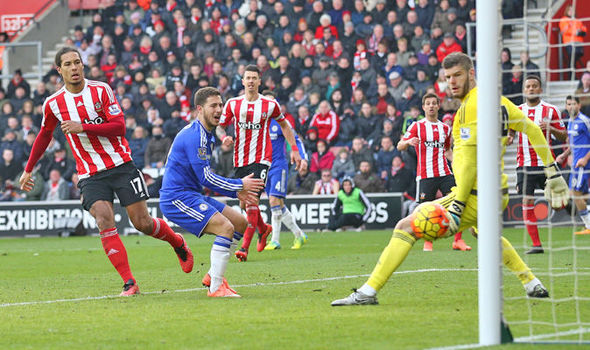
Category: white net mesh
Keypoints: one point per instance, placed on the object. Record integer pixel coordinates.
(564, 267)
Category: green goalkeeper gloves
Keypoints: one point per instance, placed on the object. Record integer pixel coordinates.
(556, 190)
(455, 211)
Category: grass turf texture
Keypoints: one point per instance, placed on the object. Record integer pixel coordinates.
(417, 309)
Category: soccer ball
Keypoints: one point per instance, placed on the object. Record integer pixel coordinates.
(430, 221)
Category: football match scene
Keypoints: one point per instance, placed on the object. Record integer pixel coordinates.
(294, 174)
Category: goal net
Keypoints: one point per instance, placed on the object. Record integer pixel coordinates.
(564, 265)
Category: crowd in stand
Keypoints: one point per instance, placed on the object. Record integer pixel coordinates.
(349, 74)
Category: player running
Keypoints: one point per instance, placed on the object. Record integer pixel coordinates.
(251, 114)
(461, 203)
(529, 171)
(94, 126)
(276, 186)
(432, 139)
(187, 171)
(578, 130)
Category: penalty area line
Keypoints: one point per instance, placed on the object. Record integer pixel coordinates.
(260, 284)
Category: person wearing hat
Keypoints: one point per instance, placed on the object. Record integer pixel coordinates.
(397, 85)
(448, 46)
(17, 81)
(351, 207)
(449, 21)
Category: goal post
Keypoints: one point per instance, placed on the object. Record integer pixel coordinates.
(489, 254)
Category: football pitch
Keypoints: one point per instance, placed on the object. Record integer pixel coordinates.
(60, 293)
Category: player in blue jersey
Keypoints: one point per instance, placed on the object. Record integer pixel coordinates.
(276, 185)
(578, 132)
(187, 172)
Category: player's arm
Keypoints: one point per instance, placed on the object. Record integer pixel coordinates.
(226, 118)
(367, 204)
(290, 137)
(556, 127)
(39, 146)
(410, 138)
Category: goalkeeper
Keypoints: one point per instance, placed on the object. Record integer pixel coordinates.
(461, 203)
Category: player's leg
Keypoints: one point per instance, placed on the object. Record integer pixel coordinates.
(578, 189)
(525, 186)
(97, 198)
(275, 210)
(252, 210)
(425, 192)
(132, 192)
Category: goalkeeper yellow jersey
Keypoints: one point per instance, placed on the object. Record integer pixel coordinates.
(465, 141)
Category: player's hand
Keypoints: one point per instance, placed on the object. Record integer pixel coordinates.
(556, 190)
(296, 158)
(26, 181)
(560, 158)
(455, 211)
(247, 197)
(509, 140)
(71, 127)
(227, 140)
(304, 164)
(581, 163)
(251, 184)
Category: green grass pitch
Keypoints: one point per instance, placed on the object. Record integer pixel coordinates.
(286, 295)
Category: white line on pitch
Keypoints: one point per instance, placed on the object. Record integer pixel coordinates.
(552, 335)
(262, 284)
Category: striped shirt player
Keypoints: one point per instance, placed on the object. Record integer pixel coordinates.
(251, 121)
(433, 171)
(94, 126)
(251, 114)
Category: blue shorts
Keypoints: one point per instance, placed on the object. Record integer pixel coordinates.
(276, 185)
(191, 211)
(579, 179)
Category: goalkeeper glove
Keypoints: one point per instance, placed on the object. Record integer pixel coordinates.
(455, 211)
(556, 190)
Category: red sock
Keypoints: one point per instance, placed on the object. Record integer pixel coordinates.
(163, 232)
(115, 251)
(262, 226)
(458, 236)
(530, 221)
(252, 213)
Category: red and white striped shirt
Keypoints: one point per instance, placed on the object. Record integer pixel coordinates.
(95, 104)
(543, 112)
(251, 120)
(434, 138)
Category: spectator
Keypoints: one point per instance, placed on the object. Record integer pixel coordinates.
(425, 12)
(409, 99)
(223, 160)
(448, 46)
(573, 32)
(583, 92)
(157, 149)
(513, 90)
(310, 141)
(326, 122)
(449, 103)
(384, 156)
(343, 165)
(326, 185)
(350, 208)
(528, 67)
(367, 121)
(506, 61)
(303, 120)
(302, 183)
(61, 162)
(10, 141)
(359, 152)
(138, 144)
(448, 23)
(9, 167)
(322, 159)
(367, 180)
(17, 81)
(397, 86)
(56, 188)
(40, 94)
(401, 179)
(73, 190)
